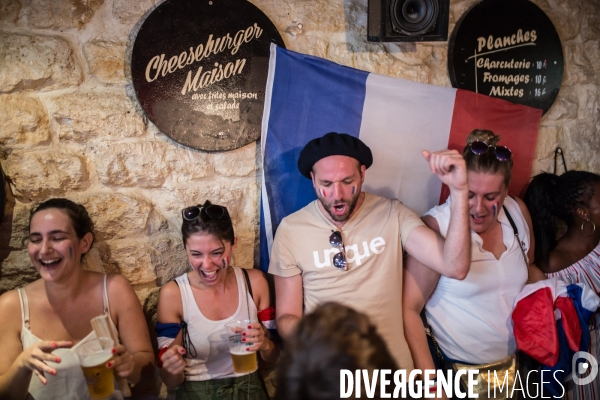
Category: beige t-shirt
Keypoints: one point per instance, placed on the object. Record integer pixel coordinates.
(373, 238)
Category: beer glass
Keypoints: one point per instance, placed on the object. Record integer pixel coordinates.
(93, 356)
(244, 361)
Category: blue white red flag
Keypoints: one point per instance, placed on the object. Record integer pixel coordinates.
(550, 322)
(307, 96)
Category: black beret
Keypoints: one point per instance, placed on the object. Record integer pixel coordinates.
(333, 144)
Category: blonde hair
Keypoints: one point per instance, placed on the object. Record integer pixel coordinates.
(487, 162)
(482, 135)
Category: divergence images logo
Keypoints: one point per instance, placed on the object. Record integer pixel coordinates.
(590, 367)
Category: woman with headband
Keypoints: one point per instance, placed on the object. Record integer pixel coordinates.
(471, 318)
(193, 309)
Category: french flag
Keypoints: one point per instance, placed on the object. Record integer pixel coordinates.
(307, 96)
(550, 324)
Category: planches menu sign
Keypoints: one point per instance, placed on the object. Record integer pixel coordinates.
(199, 70)
(508, 49)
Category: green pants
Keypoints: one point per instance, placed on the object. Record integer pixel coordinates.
(247, 387)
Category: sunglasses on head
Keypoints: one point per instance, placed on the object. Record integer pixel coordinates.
(502, 153)
(339, 260)
(212, 211)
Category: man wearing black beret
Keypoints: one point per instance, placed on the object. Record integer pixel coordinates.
(347, 246)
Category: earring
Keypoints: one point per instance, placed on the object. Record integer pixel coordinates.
(593, 227)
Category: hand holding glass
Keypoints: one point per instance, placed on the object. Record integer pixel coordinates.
(244, 361)
(93, 356)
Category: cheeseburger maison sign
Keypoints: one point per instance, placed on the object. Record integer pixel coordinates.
(508, 49)
(199, 70)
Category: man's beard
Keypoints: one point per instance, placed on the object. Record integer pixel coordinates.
(351, 205)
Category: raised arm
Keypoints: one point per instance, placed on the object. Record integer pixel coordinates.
(135, 354)
(289, 301)
(170, 310)
(17, 366)
(451, 256)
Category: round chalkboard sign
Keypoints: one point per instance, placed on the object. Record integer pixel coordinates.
(507, 49)
(199, 69)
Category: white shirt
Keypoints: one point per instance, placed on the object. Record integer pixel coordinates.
(471, 319)
(208, 336)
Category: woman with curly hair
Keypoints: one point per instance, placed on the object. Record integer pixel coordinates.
(574, 199)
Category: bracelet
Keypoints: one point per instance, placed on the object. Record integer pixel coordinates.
(160, 353)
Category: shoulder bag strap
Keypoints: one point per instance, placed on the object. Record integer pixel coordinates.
(248, 285)
(248, 291)
(429, 332)
(516, 230)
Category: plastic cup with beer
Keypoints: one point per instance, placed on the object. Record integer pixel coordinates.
(93, 356)
(244, 361)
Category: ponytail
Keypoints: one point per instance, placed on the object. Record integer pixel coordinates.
(548, 197)
(539, 198)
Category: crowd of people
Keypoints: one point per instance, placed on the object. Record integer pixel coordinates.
(360, 282)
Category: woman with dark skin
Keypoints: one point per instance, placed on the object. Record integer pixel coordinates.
(42, 322)
(574, 199)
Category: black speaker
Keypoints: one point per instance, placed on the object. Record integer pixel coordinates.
(408, 20)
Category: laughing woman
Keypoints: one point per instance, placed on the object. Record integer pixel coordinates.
(193, 309)
(43, 322)
(471, 318)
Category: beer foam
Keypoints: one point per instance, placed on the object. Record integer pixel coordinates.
(242, 352)
(96, 359)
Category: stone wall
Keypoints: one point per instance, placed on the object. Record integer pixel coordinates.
(70, 125)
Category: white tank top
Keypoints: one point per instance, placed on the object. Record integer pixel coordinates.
(471, 319)
(69, 382)
(209, 337)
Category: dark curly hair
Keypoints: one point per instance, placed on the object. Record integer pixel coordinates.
(221, 228)
(331, 338)
(550, 196)
(487, 162)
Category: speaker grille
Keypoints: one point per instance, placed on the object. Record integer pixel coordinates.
(413, 17)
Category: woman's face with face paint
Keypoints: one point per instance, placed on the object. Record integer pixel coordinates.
(486, 196)
(54, 247)
(209, 256)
